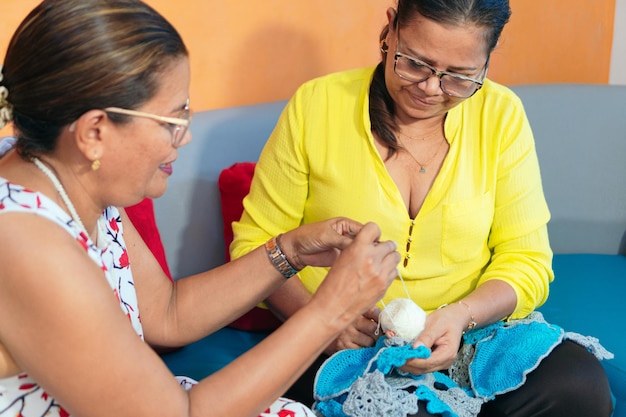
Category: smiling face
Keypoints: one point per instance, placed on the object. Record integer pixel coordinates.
(457, 49)
(141, 161)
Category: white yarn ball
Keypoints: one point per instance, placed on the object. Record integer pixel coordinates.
(405, 318)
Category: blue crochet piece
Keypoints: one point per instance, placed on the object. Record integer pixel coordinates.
(348, 373)
(333, 378)
(396, 356)
(434, 405)
(493, 360)
(502, 359)
(332, 407)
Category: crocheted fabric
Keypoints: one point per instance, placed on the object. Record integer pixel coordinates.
(493, 360)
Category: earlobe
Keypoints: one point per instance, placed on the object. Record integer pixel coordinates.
(384, 46)
(87, 131)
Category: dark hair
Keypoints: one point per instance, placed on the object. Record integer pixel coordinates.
(70, 56)
(489, 14)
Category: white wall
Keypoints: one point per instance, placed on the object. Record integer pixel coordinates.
(618, 55)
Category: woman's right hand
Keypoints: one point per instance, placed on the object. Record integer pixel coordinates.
(359, 277)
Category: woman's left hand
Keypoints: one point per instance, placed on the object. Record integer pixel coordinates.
(318, 244)
(442, 335)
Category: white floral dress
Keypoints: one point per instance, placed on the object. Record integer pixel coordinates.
(20, 395)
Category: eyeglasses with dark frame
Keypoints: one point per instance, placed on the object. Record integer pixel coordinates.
(455, 85)
(178, 125)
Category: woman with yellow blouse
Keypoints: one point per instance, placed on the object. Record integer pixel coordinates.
(443, 160)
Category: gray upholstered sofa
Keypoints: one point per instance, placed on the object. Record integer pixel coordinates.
(580, 133)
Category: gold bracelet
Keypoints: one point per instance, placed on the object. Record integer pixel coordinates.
(278, 258)
(472, 323)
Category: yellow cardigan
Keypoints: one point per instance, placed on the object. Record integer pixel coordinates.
(484, 218)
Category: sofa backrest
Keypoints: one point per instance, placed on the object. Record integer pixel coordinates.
(580, 135)
(189, 213)
(580, 132)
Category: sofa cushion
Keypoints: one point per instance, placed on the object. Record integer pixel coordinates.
(210, 354)
(234, 184)
(587, 297)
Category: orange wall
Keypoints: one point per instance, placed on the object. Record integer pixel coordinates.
(246, 52)
(556, 41)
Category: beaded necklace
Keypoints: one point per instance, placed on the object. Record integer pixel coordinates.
(59, 187)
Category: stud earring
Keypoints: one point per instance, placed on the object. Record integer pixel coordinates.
(384, 47)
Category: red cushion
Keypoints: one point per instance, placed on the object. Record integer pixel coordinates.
(142, 216)
(234, 184)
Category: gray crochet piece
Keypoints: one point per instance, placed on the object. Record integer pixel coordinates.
(459, 371)
(376, 394)
(370, 396)
(592, 344)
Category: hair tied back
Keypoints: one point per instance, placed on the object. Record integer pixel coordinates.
(6, 110)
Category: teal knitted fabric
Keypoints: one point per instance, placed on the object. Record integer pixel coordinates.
(333, 376)
(493, 360)
(504, 352)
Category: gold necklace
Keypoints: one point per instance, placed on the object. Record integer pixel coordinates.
(423, 138)
(425, 164)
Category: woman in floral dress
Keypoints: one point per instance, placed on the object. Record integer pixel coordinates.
(98, 94)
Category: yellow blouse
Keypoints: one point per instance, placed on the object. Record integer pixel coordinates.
(484, 218)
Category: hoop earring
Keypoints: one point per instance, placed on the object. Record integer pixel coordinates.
(95, 165)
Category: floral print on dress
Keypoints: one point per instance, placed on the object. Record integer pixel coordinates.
(20, 395)
(29, 399)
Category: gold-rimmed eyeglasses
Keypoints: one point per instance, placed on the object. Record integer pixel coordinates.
(178, 126)
(455, 85)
